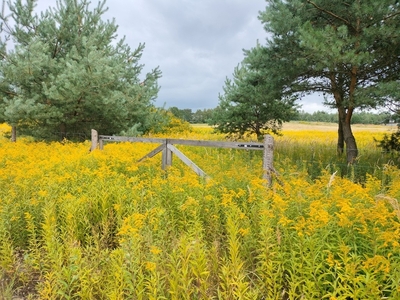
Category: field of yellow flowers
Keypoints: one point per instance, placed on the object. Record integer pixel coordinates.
(76, 224)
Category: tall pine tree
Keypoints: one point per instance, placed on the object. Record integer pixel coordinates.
(344, 49)
(65, 71)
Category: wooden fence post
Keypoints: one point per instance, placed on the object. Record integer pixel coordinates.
(95, 140)
(101, 144)
(13, 133)
(268, 158)
(166, 156)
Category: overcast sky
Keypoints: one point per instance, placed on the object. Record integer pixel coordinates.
(196, 43)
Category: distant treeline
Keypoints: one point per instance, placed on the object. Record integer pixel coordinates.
(358, 117)
(203, 116)
(197, 117)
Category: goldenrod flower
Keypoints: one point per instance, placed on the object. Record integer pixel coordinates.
(150, 266)
(155, 250)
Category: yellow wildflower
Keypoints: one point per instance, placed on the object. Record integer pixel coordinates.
(189, 202)
(284, 221)
(42, 193)
(155, 250)
(377, 263)
(150, 266)
(331, 260)
(319, 214)
(125, 229)
(28, 216)
(226, 199)
(117, 207)
(244, 231)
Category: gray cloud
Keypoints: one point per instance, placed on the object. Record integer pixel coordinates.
(196, 44)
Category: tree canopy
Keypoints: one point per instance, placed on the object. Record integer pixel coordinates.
(347, 50)
(65, 71)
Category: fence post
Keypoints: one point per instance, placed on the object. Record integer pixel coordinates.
(268, 158)
(166, 156)
(95, 140)
(13, 133)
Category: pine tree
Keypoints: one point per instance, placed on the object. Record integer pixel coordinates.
(67, 72)
(343, 49)
(250, 105)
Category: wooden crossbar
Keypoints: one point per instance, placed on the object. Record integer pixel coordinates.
(215, 144)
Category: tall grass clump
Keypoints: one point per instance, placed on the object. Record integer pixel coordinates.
(76, 224)
(315, 151)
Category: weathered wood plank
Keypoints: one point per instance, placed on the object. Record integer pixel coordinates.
(94, 139)
(152, 153)
(268, 158)
(166, 157)
(13, 133)
(111, 138)
(216, 144)
(187, 161)
(101, 144)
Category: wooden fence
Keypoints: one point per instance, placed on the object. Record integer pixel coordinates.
(168, 149)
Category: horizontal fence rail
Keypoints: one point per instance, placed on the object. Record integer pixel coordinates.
(167, 148)
(202, 143)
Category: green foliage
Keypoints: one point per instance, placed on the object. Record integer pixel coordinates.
(390, 92)
(67, 72)
(250, 105)
(390, 142)
(322, 40)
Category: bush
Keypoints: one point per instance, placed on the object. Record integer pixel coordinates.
(390, 143)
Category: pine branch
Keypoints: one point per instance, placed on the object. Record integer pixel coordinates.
(391, 16)
(10, 93)
(328, 12)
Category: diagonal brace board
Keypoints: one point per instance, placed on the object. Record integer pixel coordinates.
(152, 153)
(179, 154)
(187, 161)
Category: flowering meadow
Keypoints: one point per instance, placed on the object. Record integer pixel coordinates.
(76, 224)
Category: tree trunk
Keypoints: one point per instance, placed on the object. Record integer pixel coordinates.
(63, 131)
(340, 142)
(351, 146)
(345, 112)
(348, 137)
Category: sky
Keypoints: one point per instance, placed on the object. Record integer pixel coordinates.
(195, 43)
